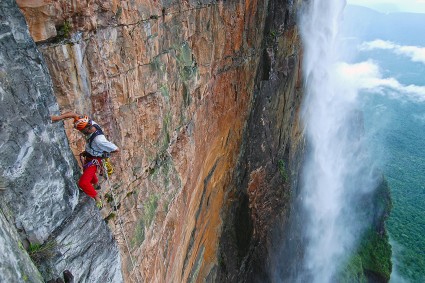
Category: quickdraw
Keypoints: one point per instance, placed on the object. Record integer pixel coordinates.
(108, 166)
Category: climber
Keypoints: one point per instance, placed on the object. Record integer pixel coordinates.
(97, 147)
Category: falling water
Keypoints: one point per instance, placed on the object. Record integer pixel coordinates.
(336, 172)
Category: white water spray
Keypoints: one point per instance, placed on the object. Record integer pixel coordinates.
(336, 171)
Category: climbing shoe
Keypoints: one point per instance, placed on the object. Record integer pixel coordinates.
(99, 204)
(97, 187)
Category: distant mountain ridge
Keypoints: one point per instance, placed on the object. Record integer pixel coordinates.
(396, 27)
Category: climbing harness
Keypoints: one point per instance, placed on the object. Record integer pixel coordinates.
(104, 165)
(105, 168)
(92, 161)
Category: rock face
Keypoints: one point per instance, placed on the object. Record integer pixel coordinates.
(202, 97)
(38, 197)
(17, 265)
(173, 84)
(270, 160)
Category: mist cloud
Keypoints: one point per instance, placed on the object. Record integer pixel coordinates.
(415, 53)
(336, 171)
(367, 76)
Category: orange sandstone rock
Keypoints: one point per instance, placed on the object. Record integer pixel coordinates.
(172, 86)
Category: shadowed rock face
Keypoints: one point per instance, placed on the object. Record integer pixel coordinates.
(269, 164)
(181, 87)
(39, 198)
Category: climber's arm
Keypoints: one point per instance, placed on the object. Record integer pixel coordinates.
(63, 116)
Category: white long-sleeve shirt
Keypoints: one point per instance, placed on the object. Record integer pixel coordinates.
(99, 145)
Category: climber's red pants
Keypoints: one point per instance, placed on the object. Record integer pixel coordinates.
(88, 179)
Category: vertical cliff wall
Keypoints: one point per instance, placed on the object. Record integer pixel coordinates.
(203, 99)
(269, 164)
(38, 195)
(181, 87)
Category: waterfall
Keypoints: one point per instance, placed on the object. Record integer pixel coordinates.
(337, 172)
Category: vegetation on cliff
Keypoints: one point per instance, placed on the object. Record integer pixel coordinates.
(372, 259)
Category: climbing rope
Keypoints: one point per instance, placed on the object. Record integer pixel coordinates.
(106, 175)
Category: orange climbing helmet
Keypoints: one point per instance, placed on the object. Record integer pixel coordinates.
(81, 122)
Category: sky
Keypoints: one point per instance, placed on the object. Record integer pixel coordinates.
(368, 75)
(388, 6)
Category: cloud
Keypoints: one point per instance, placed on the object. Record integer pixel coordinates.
(367, 76)
(415, 53)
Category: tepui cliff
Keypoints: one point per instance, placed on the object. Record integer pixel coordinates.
(203, 100)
